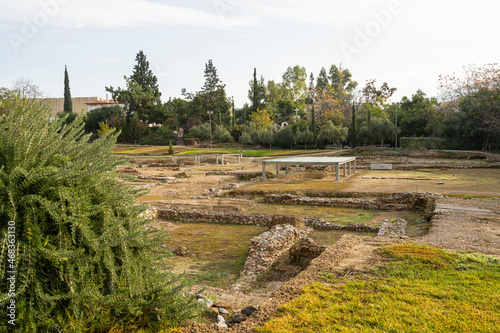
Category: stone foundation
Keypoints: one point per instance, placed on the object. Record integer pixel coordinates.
(255, 219)
(396, 201)
(265, 250)
(303, 252)
(392, 229)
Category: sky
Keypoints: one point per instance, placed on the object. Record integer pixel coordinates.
(406, 43)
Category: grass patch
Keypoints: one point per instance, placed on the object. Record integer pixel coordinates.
(422, 289)
(216, 252)
(163, 151)
(337, 215)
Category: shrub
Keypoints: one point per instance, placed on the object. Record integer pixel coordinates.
(84, 259)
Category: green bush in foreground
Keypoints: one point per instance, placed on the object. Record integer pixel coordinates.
(422, 290)
(84, 260)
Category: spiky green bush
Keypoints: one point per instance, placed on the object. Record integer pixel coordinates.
(85, 261)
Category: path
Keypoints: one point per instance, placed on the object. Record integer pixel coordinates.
(464, 225)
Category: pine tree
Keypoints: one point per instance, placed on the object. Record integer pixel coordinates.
(84, 258)
(142, 95)
(68, 104)
(144, 76)
(213, 96)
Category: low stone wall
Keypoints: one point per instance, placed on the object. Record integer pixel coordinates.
(397, 201)
(254, 219)
(320, 224)
(392, 229)
(265, 249)
(215, 217)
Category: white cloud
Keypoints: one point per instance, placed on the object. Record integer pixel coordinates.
(118, 13)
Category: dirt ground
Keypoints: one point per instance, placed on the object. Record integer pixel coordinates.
(467, 217)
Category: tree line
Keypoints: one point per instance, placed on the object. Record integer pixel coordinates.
(306, 110)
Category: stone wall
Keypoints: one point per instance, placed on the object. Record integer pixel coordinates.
(392, 229)
(254, 219)
(396, 201)
(303, 252)
(265, 250)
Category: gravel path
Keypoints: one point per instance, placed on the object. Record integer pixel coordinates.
(464, 225)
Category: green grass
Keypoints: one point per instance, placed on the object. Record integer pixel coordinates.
(163, 151)
(421, 290)
(217, 252)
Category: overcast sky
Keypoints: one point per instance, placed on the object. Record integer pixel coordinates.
(407, 44)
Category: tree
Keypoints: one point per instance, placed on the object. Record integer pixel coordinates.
(273, 93)
(305, 137)
(144, 76)
(418, 115)
(213, 96)
(481, 112)
(341, 81)
(85, 259)
(377, 130)
(68, 103)
(165, 133)
(111, 114)
(266, 136)
(473, 79)
(142, 95)
(170, 148)
(376, 96)
(294, 83)
(27, 88)
(7, 98)
(261, 118)
(134, 129)
(190, 123)
(352, 128)
(257, 92)
(286, 137)
(322, 80)
(332, 133)
(246, 138)
(221, 134)
(201, 132)
(327, 107)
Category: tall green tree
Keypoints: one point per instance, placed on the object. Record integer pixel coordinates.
(85, 259)
(142, 95)
(341, 81)
(144, 76)
(322, 80)
(257, 92)
(213, 96)
(352, 128)
(294, 84)
(68, 103)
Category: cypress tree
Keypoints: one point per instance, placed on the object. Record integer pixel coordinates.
(68, 104)
(84, 259)
(353, 127)
(313, 122)
(170, 148)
